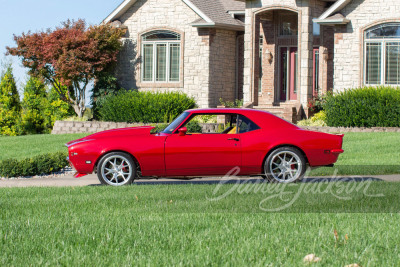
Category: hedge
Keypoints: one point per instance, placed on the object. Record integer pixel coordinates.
(364, 107)
(42, 164)
(146, 107)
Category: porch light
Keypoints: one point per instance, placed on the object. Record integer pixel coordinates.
(268, 56)
(325, 54)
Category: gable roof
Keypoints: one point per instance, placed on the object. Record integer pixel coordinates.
(217, 12)
(212, 13)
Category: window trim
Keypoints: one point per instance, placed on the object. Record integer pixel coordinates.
(140, 72)
(383, 42)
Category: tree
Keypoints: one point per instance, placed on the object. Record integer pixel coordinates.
(70, 56)
(10, 106)
(33, 105)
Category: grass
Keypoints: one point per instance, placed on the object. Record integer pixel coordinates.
(365, 153)
(179, 225)
(19, 147)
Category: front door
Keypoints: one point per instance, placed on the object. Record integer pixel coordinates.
(288, 73)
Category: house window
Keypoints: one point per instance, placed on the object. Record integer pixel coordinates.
(161, 56)
(288, 24)
(382, 55)
(316, 71)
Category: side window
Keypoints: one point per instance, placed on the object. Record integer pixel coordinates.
(212, 124)
(246, 125)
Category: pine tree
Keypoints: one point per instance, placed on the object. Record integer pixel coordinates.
(10, 106)
(34, 103)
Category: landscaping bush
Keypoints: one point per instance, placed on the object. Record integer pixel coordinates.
(319, 119)
(42, 164)
(146, 107)
(364, 107)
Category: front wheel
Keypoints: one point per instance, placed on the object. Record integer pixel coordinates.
(285, 165)
(116, 169)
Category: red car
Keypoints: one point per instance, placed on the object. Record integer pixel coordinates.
(257, 142)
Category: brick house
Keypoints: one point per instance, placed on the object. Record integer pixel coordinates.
(273, 54)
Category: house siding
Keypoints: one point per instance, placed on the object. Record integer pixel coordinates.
(348, 51)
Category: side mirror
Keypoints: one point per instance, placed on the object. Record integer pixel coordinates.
(182, 131)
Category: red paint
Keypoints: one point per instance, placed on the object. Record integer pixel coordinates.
(168, 155)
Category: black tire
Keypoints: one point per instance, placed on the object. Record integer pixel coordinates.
(116, 169)
(279, 168)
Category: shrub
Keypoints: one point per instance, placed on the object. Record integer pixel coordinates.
(231, 104)
(319, 119)
(10, 106)
(33, 104)
(106, 84)
(146, 107)
(364, 107)
(316, 104)
(42, 164)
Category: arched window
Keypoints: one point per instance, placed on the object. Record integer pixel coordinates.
(161, 56)
(382, 54)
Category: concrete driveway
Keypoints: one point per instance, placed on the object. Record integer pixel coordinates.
(91, 180)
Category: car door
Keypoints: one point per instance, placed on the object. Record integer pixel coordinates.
(202, 154)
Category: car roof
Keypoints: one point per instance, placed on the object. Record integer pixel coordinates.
(261, 118)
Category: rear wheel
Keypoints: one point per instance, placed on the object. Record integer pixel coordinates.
(285, 165)
(116, 169)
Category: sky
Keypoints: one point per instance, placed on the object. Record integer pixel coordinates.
(18, 16)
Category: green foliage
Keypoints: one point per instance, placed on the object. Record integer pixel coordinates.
(42, 164)
(57, 108)
(34, 104)
(106, 84)
(316, 104)
(194, 127)
(231, 104)
(364, 107)
(10, 106)
(159, 127)
(319, 119)
(147, 107)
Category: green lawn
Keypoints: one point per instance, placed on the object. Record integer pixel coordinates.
(365, 153)
(179, 225)
(31, 145)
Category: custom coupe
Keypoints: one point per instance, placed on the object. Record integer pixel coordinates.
(252, 141)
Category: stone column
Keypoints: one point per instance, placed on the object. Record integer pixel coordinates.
(306, 53)
(247, 72)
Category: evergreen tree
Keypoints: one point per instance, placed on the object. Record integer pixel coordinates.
(10, 106)
(34, 104)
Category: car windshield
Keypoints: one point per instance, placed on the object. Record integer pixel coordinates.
(176, 123)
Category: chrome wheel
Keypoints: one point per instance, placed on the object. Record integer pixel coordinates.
(285, 165)
(117, 170)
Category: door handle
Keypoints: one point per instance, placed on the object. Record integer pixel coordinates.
(236, 139)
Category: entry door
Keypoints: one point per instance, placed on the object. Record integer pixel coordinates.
(288, 73)
(202, 154)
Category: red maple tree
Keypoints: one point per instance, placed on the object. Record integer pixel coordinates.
(69, 57)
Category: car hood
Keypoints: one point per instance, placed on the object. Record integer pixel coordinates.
(142, 130)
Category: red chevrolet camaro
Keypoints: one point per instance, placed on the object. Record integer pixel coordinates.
(252, 141)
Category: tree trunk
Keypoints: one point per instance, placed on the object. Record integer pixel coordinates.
(79, 110)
